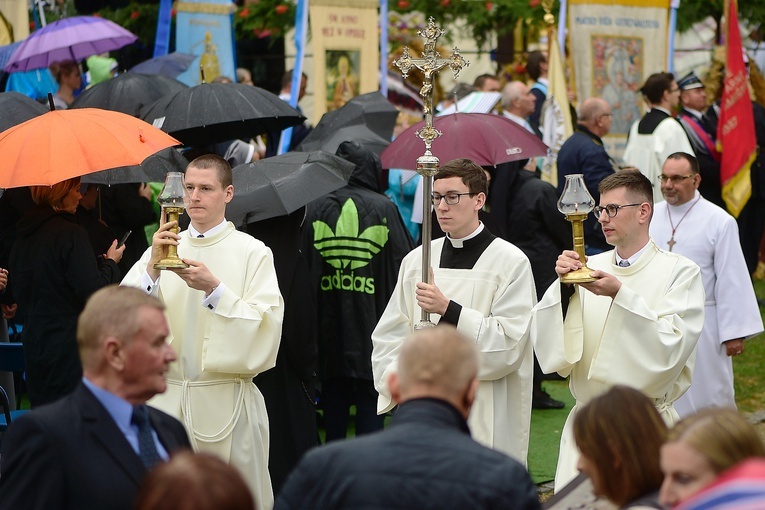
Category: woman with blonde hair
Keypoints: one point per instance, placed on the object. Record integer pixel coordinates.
(619, 435)
(67, 75)
(52, 273)
(702, 446)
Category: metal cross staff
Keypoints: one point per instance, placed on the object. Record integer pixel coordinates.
(430, 64)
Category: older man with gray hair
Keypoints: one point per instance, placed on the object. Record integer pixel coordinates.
(584, 153)
(426, 458)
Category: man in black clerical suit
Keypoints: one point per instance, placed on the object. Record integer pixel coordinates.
(91, 449)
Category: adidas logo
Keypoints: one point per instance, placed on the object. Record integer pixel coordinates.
(344, 249)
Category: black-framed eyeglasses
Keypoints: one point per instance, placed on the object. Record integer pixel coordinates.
(450, 198)
(674, 179)
(611, 209)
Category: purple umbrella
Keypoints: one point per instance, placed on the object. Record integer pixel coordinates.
(73, 38)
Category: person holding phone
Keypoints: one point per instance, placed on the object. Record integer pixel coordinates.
(52, 273)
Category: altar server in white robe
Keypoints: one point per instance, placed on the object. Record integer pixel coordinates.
(483, 286)
(637, 324)
(688, 224)
(225, 313)
(658, 134)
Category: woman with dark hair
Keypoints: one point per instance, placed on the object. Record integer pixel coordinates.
(67, 75)
(619, 435)
(52, 273)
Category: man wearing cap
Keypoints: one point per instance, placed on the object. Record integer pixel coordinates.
(693, 103)
(657, 134)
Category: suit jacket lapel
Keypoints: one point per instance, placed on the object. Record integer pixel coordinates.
(98, 421)
(166, 437)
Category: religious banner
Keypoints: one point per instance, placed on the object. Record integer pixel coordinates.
(14, 21)
(205, 28)
(735, 128)
(346, 51)
(615, 45)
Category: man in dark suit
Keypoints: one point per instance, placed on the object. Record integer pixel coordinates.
(426, 458)
(91, 449)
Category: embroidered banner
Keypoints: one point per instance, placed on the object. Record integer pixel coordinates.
(206, 29)
(615, 46)
(346, 52)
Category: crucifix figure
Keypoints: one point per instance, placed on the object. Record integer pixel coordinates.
(430, 63)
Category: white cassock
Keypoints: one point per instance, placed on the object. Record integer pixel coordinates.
(708, 235)
(497, 296)
(649, 152)
(220, 350)
(644, 338)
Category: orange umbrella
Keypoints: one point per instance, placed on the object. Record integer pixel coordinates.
(62, 144)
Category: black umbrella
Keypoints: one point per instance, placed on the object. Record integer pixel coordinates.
(16, 108)
(152, 169)
(282, 184)
(368, 119)
(216, 112)
(128, 92)
(172, 64)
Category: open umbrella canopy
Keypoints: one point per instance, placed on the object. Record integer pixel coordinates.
(282, 184)
(153, 169)
(16, 108)
(171, 65)
(368, 119)
(215, 112)
(128, 92)
(62, 144)
(485, 139)
(73, 38)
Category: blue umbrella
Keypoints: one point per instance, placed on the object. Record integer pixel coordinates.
(172, 64)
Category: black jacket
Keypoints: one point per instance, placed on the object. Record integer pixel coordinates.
(426, 459)
(355, 240)
(583, 153)
(537, 227)
(71, 455)
(52, 273)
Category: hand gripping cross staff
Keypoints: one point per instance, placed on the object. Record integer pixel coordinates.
(430, 64)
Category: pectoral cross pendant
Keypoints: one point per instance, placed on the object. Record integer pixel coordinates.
(671, 243)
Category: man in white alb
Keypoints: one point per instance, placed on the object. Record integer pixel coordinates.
(225, 313)
(637, 324)
(658, 134)
(483, 286)
(689, 224)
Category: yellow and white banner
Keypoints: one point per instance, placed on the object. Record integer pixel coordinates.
(346, 51)
(615, 46)
(16, 14)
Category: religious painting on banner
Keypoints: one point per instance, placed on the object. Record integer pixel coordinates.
(205, 28)
(346, 51)
(615, 45)
(17, 18)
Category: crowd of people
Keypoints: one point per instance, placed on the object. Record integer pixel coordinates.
(225, 357)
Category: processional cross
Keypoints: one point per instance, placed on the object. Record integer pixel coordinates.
(430, 63)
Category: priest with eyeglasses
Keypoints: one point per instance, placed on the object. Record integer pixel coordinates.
(689, 224)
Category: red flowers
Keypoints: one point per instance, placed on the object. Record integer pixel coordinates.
(281, 9)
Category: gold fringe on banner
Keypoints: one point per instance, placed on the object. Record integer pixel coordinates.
(222, 9)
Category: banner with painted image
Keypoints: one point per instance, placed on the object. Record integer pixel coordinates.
(615, 45)
(206, 29)
(346, 51)
(14, 21)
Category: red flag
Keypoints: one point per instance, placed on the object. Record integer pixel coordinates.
(735, 130)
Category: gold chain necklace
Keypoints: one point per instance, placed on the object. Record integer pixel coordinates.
(672, 241)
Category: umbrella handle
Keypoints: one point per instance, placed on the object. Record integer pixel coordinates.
(50, 102)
